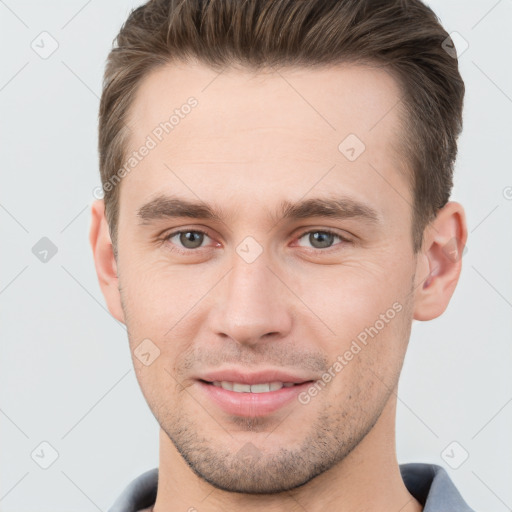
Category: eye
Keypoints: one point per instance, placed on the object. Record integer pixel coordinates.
(187, 239)
(321, 239)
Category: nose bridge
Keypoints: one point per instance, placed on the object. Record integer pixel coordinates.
(252, 304)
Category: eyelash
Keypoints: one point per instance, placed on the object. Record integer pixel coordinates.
(185, 251)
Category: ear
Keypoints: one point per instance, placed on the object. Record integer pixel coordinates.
(104, 260)
(440, 262)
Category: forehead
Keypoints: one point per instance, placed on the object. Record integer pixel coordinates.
(256, 129)
(330, 99)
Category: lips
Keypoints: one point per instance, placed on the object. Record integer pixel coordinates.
(261, 377)
(251, 404)
(242, 393)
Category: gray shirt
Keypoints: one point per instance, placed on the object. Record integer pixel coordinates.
(428, 483)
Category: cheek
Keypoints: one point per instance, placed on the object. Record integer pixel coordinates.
(365, 320)
(154, 362)
(350, 297)
(157, 295)
(366, 366)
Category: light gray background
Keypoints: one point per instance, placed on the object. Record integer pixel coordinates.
(66, 372)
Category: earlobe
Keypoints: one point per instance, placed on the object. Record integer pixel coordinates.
(440, 263)
(104, 260)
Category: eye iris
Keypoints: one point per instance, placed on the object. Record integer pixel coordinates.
(191, 239)
(325, 239)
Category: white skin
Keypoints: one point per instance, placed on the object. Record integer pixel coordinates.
(253, 141)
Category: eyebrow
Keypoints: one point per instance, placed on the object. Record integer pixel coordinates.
(164, 207)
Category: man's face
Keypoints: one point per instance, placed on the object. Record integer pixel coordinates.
(262, 290)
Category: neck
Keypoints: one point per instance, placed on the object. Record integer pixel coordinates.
(367, 479)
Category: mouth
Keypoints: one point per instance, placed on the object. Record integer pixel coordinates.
(251, 400)
(264, 387)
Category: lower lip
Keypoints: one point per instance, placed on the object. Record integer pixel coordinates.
(251, 404)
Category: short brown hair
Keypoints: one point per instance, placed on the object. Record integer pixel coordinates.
(404, 37)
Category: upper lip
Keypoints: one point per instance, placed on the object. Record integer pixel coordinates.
(259, 377)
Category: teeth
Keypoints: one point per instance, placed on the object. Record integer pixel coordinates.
(255, 388)
(241, 388)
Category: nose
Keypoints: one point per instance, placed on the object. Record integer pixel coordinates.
(252, 306)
